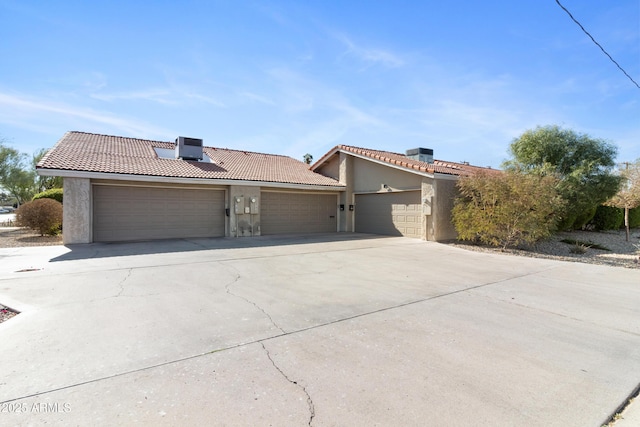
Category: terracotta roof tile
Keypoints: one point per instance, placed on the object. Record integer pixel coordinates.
(79, 151)
(438, 166)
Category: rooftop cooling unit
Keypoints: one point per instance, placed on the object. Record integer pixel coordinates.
(421, 154)
(188, 148)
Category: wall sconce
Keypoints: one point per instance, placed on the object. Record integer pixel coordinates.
(341, 207)
(351, 207)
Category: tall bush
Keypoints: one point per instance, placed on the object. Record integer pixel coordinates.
(608, 218)
(42, 215)
(506, 209)
(583, 164)
(54, 193)
(634, 217)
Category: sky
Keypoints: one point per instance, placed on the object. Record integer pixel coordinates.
(463, 78)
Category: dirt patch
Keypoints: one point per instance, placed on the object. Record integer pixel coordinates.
(6, 313)
(13, 237)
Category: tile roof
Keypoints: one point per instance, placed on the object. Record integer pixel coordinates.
(87, 152)
(438, 166)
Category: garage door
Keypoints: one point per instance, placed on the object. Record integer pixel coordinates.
(393, 214)
(284, 213)
(144, 213)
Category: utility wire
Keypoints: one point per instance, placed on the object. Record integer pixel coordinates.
(598, 44)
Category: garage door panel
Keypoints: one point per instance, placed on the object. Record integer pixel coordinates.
(284, 213)
(143, 213)
(392, 214)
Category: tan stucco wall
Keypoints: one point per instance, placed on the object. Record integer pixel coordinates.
(331, 167)
(428, 193)
(76, 211)
(445, 194)
(346, 216)
(370, 177)
(438, 193)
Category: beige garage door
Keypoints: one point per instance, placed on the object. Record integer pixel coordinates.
(144, 213)
(284, 213)
(393, 214)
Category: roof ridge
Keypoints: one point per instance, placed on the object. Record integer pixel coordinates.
(114, 136)
(400, 159)
(249, 152)
(173, 142)
(99, 153)
(372, 149)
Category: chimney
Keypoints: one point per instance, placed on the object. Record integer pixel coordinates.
(188, 148)
(420, 154)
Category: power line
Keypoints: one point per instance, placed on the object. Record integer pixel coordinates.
(598, 44)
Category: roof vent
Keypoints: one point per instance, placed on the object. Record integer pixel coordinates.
(421, 154)
(188, 148)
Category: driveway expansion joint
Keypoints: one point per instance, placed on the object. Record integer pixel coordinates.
(312, 409)
(622, 407)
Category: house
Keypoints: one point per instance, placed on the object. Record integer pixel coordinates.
(123, 189)
(394, 194)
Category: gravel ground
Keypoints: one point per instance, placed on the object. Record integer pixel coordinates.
(6, 313)
(620, 254)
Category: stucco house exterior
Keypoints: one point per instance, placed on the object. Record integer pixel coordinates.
(394, 194)
(124, 189)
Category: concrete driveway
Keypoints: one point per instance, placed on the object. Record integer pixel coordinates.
(322, 330)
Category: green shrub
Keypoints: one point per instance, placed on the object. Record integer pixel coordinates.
(584, 218)
(634, 217)
(43, 215)
(506, 209)
(608, 218)
(567, 221)
(54, 193)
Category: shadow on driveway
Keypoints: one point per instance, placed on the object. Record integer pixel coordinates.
(105, 250)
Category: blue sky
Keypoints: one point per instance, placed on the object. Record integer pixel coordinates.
(463, 78)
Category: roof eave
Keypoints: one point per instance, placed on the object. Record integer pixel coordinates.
(65, 173)
(326, 157)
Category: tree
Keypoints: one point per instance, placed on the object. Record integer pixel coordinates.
(582, 164)
(628, 197)
(506, 209)
(15, 176)
(45, 182)
(308, 158)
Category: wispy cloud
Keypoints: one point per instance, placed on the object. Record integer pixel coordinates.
(256, 98)
(161, 96)
(204, 98)
(371, 56)
(318, 115)
(37, 113)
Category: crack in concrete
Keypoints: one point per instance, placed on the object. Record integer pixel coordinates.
(312, 408)
(227, 288)
(261, 340)
(121, 284)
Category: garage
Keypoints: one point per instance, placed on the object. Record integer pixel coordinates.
(392, 214)
(124, 213)
(284, 213)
